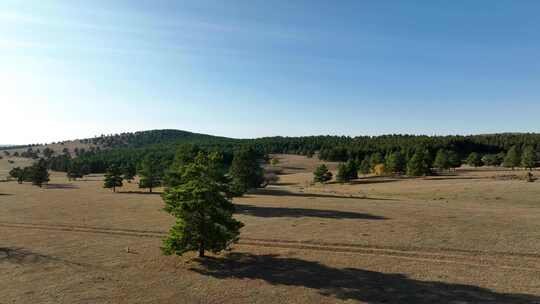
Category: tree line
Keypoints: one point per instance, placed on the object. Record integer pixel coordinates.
(421, 163)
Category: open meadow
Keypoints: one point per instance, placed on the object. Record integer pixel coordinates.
(469, 236)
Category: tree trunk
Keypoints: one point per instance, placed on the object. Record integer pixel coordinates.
(150, 189)
(113, 189)
(201, 250)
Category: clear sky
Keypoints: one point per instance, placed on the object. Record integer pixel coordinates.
(72, 69)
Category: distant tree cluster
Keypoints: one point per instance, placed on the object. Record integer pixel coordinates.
(37, 174)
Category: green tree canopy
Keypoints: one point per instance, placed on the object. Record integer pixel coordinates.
(321, 174)
(365, 166)
(150, 172)
(375, 159)
(395, 162)
(474, 160)
(529, 158)
(418, 164)
(17, 173)
(453, 159)
(75, 170)
(113, 178)
(347, 171)
(203, 209)
(246, 170)
(442, 161)
(38, 173)
(512, 158)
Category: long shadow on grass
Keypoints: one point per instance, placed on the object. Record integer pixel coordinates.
(302, 212)
(279, 192)
(61, 186)
(139, 192)
(350, 283)
(25, 256)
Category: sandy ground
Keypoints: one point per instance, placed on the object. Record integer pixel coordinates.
(472, 236)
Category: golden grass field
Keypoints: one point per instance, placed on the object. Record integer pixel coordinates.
(472, 236)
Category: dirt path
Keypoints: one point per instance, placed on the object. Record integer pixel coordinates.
(529, 262)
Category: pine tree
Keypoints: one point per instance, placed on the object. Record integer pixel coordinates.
(375, 159)
(441, 160)
(246, 170)
(454, 160)
(347, 171)
(113, 178)
(342, 174)
(529, 158)
(128, 172)
(185, 154)
(48, 152)
(38, 173)
(512, 158)
(203, 210)
(474, 160)
(150, 172)
(75, 170)
(395, 163)
(365, 166)
(418, 164)
(321, 174)
(17, 173)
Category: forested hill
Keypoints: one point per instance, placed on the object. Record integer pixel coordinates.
(153, 137)
(129, 148)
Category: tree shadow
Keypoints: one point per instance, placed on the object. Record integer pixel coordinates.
(454, 177)
(350, 283)
(61, 186)
(372, 181)
(5, 194)
(293, 168)
(25, 256)
(302, 212)
(280, 192)
(284, 184)
(140, 192)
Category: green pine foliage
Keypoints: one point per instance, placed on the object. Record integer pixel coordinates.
(18, 174)
(347, 172)
(529, 158)
(128, 172)
(202, 207)
(151, 172)
(375, 159)
(246, 170)
(322, 174)
(474, 160)
(512, 158)
(395, 163)
(442, 161)
(454, 160)
(418, 164)
(113, 178)
(365, 167)
(38, 173)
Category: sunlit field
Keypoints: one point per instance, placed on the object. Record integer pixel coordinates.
(469, 235)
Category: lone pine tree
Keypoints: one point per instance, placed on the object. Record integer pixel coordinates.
(512, 158)
(246, 171)
(321, 174)
(150, 172)
(203, 209)
(529, 158)
(38, 173)
(113, 178)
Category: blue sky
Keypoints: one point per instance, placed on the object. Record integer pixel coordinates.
(72, 69)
